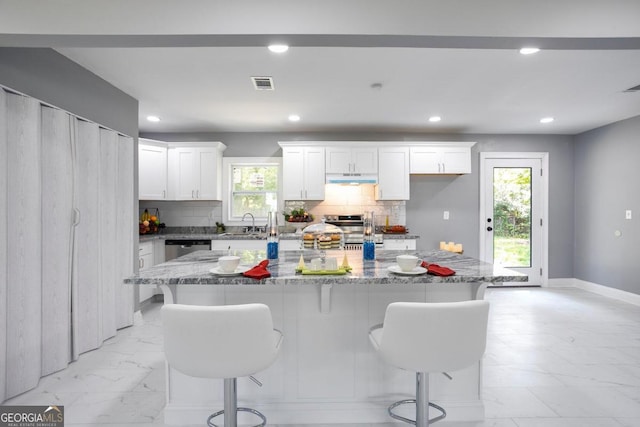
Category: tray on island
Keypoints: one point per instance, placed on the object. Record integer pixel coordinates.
(339, 271)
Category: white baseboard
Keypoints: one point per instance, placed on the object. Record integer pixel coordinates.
(606, 291)
(568, 282)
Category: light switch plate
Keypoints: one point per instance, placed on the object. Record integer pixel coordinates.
(627, 214)
(445, 215)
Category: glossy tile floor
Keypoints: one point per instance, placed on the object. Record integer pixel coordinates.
(555, 358)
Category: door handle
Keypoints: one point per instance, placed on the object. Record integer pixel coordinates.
(489, 228)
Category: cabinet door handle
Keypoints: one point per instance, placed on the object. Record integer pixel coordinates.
(164, 194)
(443, 169)
(192, 194)
(197, 194)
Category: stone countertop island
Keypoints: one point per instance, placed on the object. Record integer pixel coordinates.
(194, 269)
(327, 372)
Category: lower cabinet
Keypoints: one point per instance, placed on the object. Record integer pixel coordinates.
(400, 244)
(252, 245)
(239, 244)
(150, 254)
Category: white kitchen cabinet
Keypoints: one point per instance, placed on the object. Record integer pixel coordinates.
(291, 245)
(303, 173)
(146, 260)
(393, 173)
(347, 159)
(400, 244)
(440, 159)
(239, 244)
(195, 171)
(158, 252)
(152, 170)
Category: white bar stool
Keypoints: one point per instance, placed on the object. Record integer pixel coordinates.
(223, 342)
(430, 337)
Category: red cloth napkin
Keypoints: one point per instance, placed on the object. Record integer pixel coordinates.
(259, 271)
(437, 270)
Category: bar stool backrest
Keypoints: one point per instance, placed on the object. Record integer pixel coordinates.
(434, 337)
(219, 341)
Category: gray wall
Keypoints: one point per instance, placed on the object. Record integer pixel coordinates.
(46, 75)
(431, 195)
(607, 182)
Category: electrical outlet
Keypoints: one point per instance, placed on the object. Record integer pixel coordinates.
(627, 214)
(445, 216)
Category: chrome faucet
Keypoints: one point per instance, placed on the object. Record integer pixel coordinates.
(253, 221)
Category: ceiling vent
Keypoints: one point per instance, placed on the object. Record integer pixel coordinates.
(633, 89)
(262, 83)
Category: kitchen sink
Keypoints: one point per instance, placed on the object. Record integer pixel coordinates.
(248, 235)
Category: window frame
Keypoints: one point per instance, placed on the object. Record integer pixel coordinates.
(227, 168)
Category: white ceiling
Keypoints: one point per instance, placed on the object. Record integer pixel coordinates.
(456, 59)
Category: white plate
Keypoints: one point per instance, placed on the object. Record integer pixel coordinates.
(239, 270)
(396, 269)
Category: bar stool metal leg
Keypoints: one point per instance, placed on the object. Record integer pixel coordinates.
(422, 399)
(231, 409)
(422, 404)
(230, 402)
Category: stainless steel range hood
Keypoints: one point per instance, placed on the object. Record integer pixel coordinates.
(351, 178)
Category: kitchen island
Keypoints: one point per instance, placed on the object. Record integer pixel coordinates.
(327, 371)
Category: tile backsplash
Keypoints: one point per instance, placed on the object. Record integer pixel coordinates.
(354, 199)
(339, 199)
(185, 213)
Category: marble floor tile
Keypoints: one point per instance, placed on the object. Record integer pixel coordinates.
(566, 422)
(588, 401)
(556, 357)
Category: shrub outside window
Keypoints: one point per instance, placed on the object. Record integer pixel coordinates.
(253, 188)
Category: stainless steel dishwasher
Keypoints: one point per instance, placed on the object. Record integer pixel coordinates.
(178, 248)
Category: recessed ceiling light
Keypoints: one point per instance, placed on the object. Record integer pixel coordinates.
(294, 118)
(153, 119)
(278, 48)
(434, 119)
(529, 50)
(546, 120)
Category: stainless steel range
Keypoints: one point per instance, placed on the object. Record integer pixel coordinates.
(352, 226)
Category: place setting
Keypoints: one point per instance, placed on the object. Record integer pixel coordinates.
(229, 266)
(409, 265)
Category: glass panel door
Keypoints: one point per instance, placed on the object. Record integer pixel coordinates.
(512, 215)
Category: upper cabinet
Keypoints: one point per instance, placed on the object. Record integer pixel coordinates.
(195, 170)
(152, 170)
(393, 173)
(303, 172)
(349, 160)
(441, 158)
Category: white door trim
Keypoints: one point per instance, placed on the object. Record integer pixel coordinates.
(544, 182)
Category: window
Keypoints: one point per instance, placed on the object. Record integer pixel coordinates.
(252, 186)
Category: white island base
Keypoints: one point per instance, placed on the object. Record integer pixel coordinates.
(327, 371)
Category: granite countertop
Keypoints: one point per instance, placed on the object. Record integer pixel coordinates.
(193, 269)
(201, 233)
